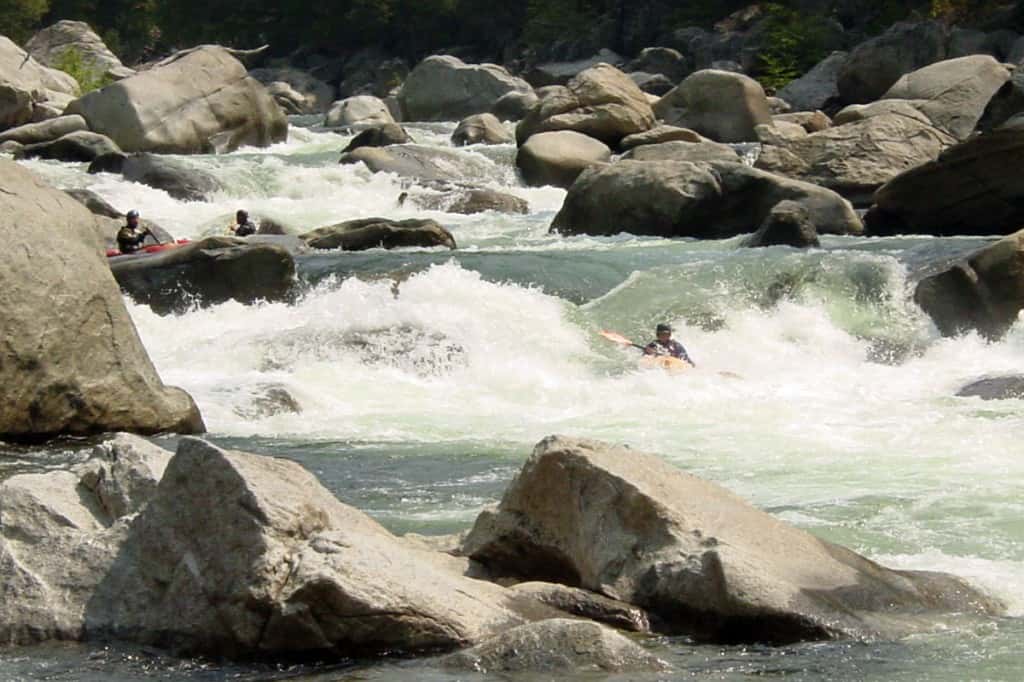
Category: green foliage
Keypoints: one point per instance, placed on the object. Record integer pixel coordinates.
(19, 18)
(89, 77)
(794, 42)
(550, 20)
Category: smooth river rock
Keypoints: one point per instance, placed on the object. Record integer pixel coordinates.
(75, 365)
(723, 106)
(705, 561)
(995, 388)
(52, 45)
(557, 158)
(444, 88)
(371, 233)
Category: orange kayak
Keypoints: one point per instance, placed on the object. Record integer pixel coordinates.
(664, 362)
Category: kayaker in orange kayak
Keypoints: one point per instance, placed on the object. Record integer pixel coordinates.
(665, 345)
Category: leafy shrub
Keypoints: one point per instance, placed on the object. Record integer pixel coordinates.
(18, 18)
(793, 43)
(89, 76)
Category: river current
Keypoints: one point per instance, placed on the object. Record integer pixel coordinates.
(823, 394)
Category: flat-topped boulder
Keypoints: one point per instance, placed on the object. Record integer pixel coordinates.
(75, 365)
(44, 131)
(372, 233)
(207, 272)
(723, 106)
(279, 567)
(444, 88)
(973, 188)
(196, 102)
(702, 151)
(983, 292)
(995, 388)
(705, 561)
(600, 102)
(468, 201)
(361, 110)
(81, 146)
(685, 199)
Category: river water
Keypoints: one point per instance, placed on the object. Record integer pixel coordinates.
(822, 394)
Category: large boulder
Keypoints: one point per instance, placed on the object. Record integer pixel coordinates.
(26, 85)
(601, 102)
(995, 388)
(972, 188)
(515, 105)
(60, 533)
(314, 95)
(76, 42)
(444, 88)
(855, 159)
(383, 135)
(177, 178)
(983, 292)
(953, 94)
(76, 365)
(723, 106)
(787, 225)
(685, 199)
(279, 567)
(424, 163)
(371, 233)
(818, 88)
(480, 129)
(557, 158)
(704, 560)
(207, 272)
(81, 146)
(361, 110)
(1006, 103)
(570, 647)
(875, 65)
(199, 101)
(44, 131)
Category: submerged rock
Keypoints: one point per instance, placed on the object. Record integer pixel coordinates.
(80, 146)
(382, 135)
(787, 225)
(76, 365)
(557, 645)
(207, 272)
(370, 233)
(420, 162)
(706, 562)
(267, 401)
(684, 199)
(995, 388)
(175, 177)
(472, 200)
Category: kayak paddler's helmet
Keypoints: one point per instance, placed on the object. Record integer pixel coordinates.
(663, 330)
(133, 215)
(241, 215)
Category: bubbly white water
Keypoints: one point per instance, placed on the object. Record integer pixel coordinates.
(792, 405)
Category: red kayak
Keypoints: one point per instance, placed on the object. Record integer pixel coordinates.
(154, 248)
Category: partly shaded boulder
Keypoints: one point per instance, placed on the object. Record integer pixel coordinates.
(199, 101)
(207, 272)
(59, 535)
(787, 225)
(279, 567)
(76, 365)
(983, 292)
(44, 131)
(995, 388)
(874, 66)
(313, 95)
(175, 177)
(684, 199)
(708, 563)
(557, 158)
(423, 162)
(557, 645)
(81, 146)
(661, 60)
(652, 83)
(953, 94)
(818, 88)
(480, 129)
(972, 188)
(361, 110)
(75, 41)
(95, 203)
(382, 135)
(372, 233)
(444, 88)
(601, 102)
(1006, 103)
(514, 106)
(26, 85)
(702, 151)
(857, 158)
(723, 106)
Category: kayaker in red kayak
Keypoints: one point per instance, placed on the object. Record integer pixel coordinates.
(131, 236)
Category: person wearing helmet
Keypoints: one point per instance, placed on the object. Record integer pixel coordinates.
(130, 236)
(242, 227)
(666, 345)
